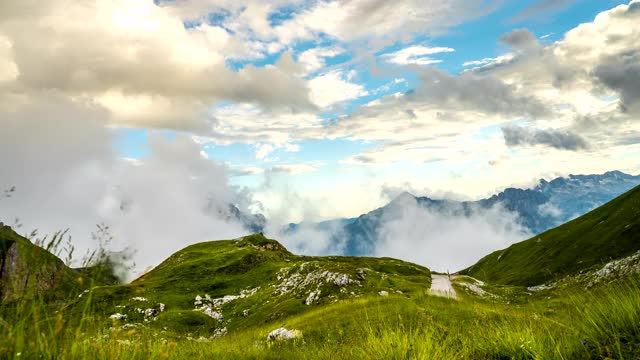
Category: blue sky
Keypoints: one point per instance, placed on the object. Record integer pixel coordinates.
(364, 69)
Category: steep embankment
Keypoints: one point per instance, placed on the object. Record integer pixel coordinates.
(609, 232)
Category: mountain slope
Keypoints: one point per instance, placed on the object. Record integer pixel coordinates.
(233, 284)
(609, 232)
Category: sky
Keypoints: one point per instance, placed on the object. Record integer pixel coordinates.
(305, 110)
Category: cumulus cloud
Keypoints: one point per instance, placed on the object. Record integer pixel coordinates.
(139, 61)
(555, 86)
(559, 139)
(622, 74)
(445, 241)
(487, 93)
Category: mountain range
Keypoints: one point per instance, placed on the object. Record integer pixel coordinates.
(537, 209)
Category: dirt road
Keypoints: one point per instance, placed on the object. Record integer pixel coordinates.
(441, 286)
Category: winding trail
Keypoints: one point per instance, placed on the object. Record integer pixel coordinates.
(441, 286)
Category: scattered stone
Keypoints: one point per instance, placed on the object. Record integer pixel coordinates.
(313, 297)
(138, 298)
(212, 313)
(210, 306)
(383, 293)
(284, 334)
(118, 316)
(150, 313)
(218, 333)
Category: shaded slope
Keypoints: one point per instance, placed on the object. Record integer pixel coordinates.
(609, 232)
(28, 270)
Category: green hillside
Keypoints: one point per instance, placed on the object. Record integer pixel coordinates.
(234, 284)
(609, 232)
(27, 270)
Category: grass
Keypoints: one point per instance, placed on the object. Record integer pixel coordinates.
(350, 320)
(370, 327)
(609, 232)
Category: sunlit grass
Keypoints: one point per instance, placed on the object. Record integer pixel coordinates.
(394, 327)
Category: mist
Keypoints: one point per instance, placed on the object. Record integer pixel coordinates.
(59, 156)
(445, 241)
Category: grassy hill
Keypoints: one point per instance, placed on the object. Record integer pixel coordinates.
(236, 284)
(609, 232)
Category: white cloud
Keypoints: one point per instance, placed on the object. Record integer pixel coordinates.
(262, 150)
(417, 55)
(314, 59)
(291, 147)
(489, 61)
(334, 87)
(139, 61)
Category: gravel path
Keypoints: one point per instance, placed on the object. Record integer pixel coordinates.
(441, 286)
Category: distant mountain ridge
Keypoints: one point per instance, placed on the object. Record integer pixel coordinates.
(547, 205)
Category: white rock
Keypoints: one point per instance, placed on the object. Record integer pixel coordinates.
(218, 333)
(284, 334)
(383, 293)
(212, 313)
(118, 316)
(313, 297)
(138, 298)
(149, 313)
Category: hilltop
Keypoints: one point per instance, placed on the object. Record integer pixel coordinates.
(607, 233)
